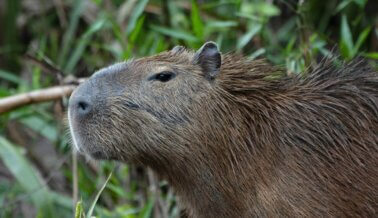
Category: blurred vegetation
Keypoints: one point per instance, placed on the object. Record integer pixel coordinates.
(39, 176)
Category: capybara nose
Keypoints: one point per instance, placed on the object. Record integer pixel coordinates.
(81, 106)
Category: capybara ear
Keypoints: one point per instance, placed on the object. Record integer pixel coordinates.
(177, 48)
(209, 58)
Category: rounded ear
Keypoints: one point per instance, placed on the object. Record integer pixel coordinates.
(209, 58)
(177, 48)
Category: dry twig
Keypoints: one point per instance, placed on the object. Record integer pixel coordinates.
(37, 96)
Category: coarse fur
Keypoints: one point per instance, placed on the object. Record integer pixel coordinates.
(240, 139)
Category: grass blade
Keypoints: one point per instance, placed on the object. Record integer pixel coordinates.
(84, 41)
(221, 24)
(178, 34)
(197, 24)
(248, 36)
(70, 33)
(346, 44)
(11, 77)
(79, 212)
(362, 38)
(148, 209)
(137, 11)
(257, 53)
(372, 55)
(90, 211)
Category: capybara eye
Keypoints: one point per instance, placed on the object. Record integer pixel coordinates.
(164, 76)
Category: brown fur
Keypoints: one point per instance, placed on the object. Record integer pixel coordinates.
(246, 143)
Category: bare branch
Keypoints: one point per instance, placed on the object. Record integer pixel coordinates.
(37, 96)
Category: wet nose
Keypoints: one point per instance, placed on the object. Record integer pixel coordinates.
(81, 106)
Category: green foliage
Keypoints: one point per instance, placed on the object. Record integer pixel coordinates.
(81, 36)
(348, 48)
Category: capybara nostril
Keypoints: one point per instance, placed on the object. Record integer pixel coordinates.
(83, 107)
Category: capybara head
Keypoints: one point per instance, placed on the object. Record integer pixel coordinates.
(143, 107)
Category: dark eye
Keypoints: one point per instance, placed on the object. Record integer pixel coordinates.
(163, 76)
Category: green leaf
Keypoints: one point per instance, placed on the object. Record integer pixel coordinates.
(243, 41)
(11, 77)
(41, 126)
(268, 9)
(196, 20)
(257, 53)
(346, 44)
(136, 12)
(147, 210)
(90, 211)
(70, 33)
(27, 176)
(362, 38)
(83, 42)
(261, 10)
(360, 3)
(221, 24)
(290, 45)
(372, 55)
(178, 34)
(79, 211)
(135, 33)
(61, 200)
(36, 78)
(342, 5)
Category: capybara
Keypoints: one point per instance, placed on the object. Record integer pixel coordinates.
(237, 137)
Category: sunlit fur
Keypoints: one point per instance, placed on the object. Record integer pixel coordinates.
(250, 143)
